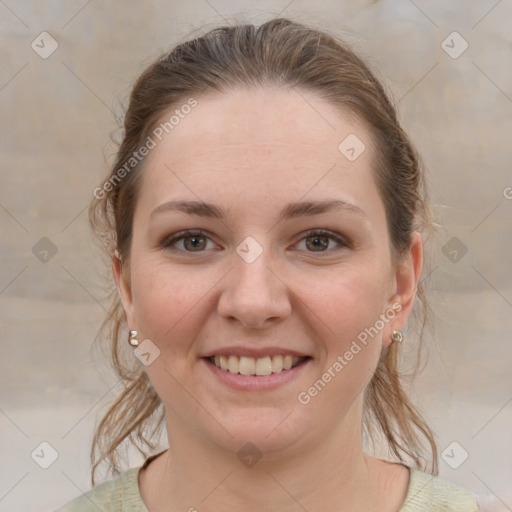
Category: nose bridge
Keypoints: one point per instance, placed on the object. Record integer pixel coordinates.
(253, 292)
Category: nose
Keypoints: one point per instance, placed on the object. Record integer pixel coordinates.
(254, 294)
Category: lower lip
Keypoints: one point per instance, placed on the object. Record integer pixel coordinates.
(255, 382)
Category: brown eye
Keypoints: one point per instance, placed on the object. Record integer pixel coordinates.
(319, 241)
(196, 242)
(192, 241)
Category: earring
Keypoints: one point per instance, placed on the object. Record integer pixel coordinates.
(132, 340)
(397, 336)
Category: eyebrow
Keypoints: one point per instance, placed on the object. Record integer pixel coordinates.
(291, 210)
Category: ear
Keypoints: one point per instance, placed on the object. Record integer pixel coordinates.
(121, 275)
(405, 282)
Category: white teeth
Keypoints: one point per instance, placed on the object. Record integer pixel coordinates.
(263, 366)
(277, 364)
(233, 364)
(247, 366)
(252, 366)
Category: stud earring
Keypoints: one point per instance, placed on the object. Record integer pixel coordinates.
(397, 336)
(132, 340)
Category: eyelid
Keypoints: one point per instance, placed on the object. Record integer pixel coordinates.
(338, 238)
(167, 242)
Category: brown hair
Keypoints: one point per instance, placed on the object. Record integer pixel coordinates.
(291, 55)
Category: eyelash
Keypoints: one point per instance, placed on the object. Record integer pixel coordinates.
(168, 242)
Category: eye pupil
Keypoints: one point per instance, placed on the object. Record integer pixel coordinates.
(323, 241)
(195, 244)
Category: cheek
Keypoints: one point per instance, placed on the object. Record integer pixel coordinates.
(348, 306)
(170, 303)
(346, 300)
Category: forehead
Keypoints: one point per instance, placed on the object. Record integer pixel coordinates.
(271, 116)
(252, 144)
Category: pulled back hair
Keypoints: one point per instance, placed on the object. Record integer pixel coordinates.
(289, 55)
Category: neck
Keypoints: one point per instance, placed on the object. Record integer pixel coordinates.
(334, 474)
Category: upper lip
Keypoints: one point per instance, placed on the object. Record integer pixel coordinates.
(254, 352)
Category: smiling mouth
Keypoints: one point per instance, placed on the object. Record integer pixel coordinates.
(256, 366)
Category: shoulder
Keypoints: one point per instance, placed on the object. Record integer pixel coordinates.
(429, 493)
(120, 494)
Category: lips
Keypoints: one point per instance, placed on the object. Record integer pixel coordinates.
(259, 366)
(251, 369)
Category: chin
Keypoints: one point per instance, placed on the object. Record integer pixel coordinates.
(264, 431)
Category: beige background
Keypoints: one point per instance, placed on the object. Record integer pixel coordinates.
(56, 121)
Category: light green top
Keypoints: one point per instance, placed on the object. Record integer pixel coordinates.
(425, 494)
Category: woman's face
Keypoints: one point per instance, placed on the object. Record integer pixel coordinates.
(255, 283)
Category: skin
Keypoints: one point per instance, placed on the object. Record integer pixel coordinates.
(252, 151)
